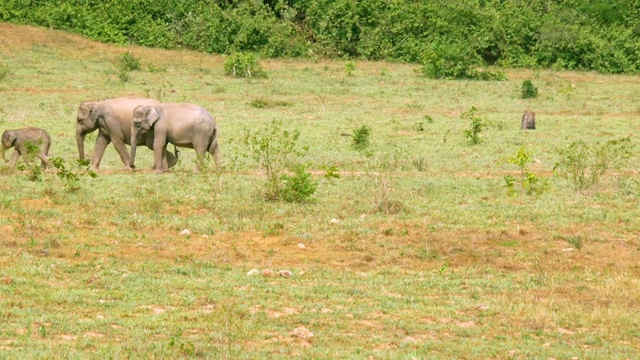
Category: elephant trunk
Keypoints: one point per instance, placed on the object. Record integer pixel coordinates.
(134, 145)
(4, 156)
(80, 140)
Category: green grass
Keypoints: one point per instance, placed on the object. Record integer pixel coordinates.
(462, 271)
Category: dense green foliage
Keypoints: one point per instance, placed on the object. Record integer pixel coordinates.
(573, 34)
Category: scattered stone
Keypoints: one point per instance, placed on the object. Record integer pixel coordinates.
(285, 273)
(565, 331)
(267, 272)
(253, 272)
(569, 249)
(362, 216)
(300, 273)
(301, 333)
(205, 236)
(334, 221)
(301, 246)
(185, 232)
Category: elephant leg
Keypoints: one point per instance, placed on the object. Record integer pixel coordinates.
(159, 150)
(215, 152)
(15, 156)
(45, 160)
(98, 151)
(122, 151)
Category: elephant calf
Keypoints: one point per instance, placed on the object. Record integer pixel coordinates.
(182, 124)
(28, 142)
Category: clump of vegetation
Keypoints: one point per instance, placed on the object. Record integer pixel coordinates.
(528, 90)
(276, 150)
(349, 67)
(530, 183)
(34, 170)
(476, 127)
(455, 61)
(246, 65)
(360, 139)
(4, 71)
(383, 169)
(586, 164)
(129, 62)
(71, 175)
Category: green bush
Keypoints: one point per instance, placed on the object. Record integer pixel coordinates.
(468, 34)
(476, 126)
(245, 65)
(360, 139)
(528, 91)
(298, 187)
(276, 149)
(129, 62)
(586, 164)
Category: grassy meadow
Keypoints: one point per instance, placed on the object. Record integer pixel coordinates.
(461, 269)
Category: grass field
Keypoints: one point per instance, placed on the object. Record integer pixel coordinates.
(463, 270)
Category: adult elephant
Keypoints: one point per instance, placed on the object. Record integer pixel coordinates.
(112, 118)
(182, 124)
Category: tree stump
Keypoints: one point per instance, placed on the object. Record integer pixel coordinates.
(528, 120)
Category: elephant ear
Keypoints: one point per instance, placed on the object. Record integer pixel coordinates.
(151, 115)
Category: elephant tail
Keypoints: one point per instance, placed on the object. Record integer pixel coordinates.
(213, 147)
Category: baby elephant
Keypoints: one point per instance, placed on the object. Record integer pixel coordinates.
(30, 141)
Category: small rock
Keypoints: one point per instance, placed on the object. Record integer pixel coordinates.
(285, 273)
(334, 221)
(267, 272)
(205, 236)
(300, 273)
(362, 216)
(253, 272)
(301, 246)
(568, 249)
(185, 232)
(302, 333)
(7, 280)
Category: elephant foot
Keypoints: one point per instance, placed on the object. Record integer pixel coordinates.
(158, 171)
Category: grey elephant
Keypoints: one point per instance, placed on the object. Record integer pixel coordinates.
(112, 118)
(24, 142)
(182, 124)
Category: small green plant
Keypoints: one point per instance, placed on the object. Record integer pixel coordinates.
(528, 90)
(129, 62)
(34, 171)
(246, 65)
(260, 103)
(298, 187)
(530, 183)
(349, 67)
(160, 92)
(420, 163)
(4, 71)
(360, 139)
(275, 149)
(585, 164)
(331, 172)
(575, 242)
(477, 125)
(383, 168)
(71, 175)
(418, 126)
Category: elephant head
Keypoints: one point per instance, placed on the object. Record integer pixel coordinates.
(8, 137)
(86, 122)
(144, 117)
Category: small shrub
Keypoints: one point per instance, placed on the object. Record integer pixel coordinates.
(260, 103)
(299, 187)
(71, 175)
(528, 90)
(418, 126)
(34, 170)
(331, 172)
(360, 138)
(455, 61)
(585, 164)
(530, 183)
(129, 62)
(477, 125)
(349, 68)
(383, 169)
(4, 71)
(275, 150)
(246, 65)
(420, 163)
